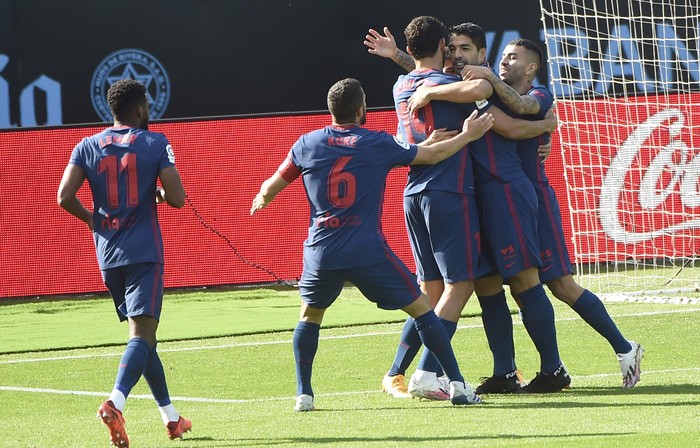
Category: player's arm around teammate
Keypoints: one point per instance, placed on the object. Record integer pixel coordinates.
(429, 153)
(468, 92)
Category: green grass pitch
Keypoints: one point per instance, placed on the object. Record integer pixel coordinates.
(229, 363)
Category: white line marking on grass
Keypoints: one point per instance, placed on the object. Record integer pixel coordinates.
(40, 390)
(323, 338)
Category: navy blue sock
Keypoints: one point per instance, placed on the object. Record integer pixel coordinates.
(305, 342)
(132, 365)
(592, 310)
(155, 377)
(435, 339)
(498, 325)
(407, 350)
(428, 362)
(538, 318)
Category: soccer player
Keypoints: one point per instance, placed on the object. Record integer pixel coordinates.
(122, 164)
(518, 67)
(344, 168)
(439, 204)
(507, 212)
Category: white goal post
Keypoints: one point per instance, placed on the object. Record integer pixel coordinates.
(626, 79)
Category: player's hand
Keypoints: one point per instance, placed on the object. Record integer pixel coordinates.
(160, 195)
(384, 46)
(475, 126)
(439, 135)
(552, 118)
(544, 151)
(420, 98)
(259, 203)
(476, 72)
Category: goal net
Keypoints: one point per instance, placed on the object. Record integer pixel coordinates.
(626, 79)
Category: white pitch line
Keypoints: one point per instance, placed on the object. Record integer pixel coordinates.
(40, 390)
(289, 341)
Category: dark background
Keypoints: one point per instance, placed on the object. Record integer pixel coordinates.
(233, 57)
(228, 57)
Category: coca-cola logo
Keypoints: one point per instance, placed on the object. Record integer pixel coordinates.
(652, 183)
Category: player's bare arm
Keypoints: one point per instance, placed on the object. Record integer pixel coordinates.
(517, 129)
(473, 129)
(268, 191)
(72, 180)
(457, 92)
(519, 104)
(385, 46)
(173, 193)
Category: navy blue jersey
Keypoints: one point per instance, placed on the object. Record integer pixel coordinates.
(344, 173)
(495, 157)
(527, 149)
(454, 174)
(122, 165)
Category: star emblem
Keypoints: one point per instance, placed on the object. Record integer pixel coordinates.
(130, 72)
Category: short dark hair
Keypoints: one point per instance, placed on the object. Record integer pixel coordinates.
(345, 98)
(125, 95)
(530, 45)
(471, 30)
(423, 36)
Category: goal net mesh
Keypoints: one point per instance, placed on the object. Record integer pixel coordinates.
(626, 79)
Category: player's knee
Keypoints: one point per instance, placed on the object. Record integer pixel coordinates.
(565, 289)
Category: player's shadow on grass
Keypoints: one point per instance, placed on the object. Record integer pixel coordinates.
(667, 389)
(572, 399)
(434, 439)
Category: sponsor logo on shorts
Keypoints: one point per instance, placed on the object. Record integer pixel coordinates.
(508, 250)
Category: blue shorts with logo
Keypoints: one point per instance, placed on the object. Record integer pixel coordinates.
(390, 284)
(137, 289)
(443, 228)
(508, 214)
(556, 262)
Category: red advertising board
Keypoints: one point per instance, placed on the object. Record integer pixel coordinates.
(633, 169)
(211, 241)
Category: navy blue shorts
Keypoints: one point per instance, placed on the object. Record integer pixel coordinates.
(556, 262)
(443, 228)
(137, 289)
(390, 284)
(508, 214)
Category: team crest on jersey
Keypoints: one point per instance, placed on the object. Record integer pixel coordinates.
(135, 64)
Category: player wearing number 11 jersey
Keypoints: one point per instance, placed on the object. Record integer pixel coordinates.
(122, 165)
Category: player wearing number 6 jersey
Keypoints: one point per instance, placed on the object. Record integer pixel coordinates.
(122, 165)
(344, 169)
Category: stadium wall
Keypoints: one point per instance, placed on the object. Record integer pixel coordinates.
(214, 57)
(222, 162)
(221, 58)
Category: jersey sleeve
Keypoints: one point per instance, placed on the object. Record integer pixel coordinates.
(76, 156)
(544, 97)
(288, 169)
(398, 152)
(167, 156)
